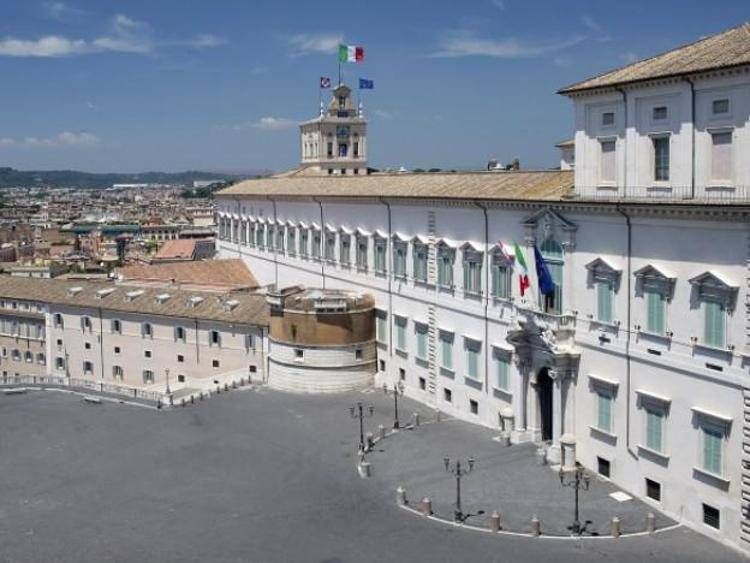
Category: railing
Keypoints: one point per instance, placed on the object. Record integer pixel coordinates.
(687, 194)
(84, 384)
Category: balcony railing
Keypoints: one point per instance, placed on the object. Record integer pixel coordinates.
(712, 194)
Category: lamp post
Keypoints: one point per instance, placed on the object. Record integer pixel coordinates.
(398, 389)
(166, 372)
(358, 411)
(457, 471)
(577, 479)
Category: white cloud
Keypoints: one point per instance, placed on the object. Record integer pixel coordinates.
(629, 57)
(274, 123)
(306, 44)
(60, 11)
(127, 35)
(466, 44)
(595, 28)
(64, 139)
(499, 4)
(382, 114)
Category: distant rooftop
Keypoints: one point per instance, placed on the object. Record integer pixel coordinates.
(224, 275)
(724, 50)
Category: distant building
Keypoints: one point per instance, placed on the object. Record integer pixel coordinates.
(567, 154)
(211, 275)
(185, 249)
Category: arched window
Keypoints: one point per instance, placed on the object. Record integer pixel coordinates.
(28, 357)
(40, 359)
(553, 255)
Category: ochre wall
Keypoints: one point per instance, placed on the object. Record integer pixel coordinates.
(327, 329)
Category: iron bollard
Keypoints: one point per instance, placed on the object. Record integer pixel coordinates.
(226, 386)
(381, 431)
(183, 402)
(495, 521)
(416, 419)
(158, 403)
(536, 527)
(370, 441)
(437, 416)
(192, 399)
(650, 523)
(615, 527)
(401, 496)
(426, 506)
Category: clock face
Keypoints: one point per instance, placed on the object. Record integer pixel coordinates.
(342, 131)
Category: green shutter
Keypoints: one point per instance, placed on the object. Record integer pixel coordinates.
(604, 421)
(472, 367)
(604, 301)
(447, 352)
(655, 305)
(654, 430)
(502, 374)
(712, 441)
(715, 324)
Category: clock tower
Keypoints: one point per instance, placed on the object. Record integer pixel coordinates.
(335, 142)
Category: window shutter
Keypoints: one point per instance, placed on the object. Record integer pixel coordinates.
(712, 450)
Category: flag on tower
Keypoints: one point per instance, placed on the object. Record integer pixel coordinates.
(325, 82)
(523, 271)
(351, 54)
(365, 84)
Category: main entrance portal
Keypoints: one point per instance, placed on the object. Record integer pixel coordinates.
(544, 390)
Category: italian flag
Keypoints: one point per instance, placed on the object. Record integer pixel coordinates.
(523, 271)
(351, 54)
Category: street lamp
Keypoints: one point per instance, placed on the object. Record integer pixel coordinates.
(457, 471)
(358, 411)
(398, 389)
(578, 479)
(166, 372)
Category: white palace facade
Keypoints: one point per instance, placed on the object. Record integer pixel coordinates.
(638, 369)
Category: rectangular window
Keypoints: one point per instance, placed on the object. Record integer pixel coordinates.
(473, 406)
(608, 118)
(472, 358)
(381, 327)
(720, 107)
(604, 295)
(500, 281)
(713, 440)
(330, 250)
(316, 245)
(659, 113)
(291, 241)
(603, 467)
(607, 162)
(400, 323)
(148, 376)
(473, 275)
(279, 239)
(653, 490)
(422, 383)
(446, 350)
(304, 237)
(362, 253)
(447, 395)
(604, 411)
(721, 157)
(445, 268)
(714, 324)
(421, 334)
(117, 372)
(661, 158)
(380, 256)
(420, 262)
(345, 249)
(215, 338)
(711, 516)
(399, 260)
(502, 365)
(654, 429)
(655, 309)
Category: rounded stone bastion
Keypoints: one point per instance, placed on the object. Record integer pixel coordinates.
(320, 341)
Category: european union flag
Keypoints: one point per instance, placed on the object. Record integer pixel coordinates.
(546, 284)
(365, 84)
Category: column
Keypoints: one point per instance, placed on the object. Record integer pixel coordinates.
(553, 453)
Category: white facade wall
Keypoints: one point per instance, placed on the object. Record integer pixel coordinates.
(634, 138)
(673, 367)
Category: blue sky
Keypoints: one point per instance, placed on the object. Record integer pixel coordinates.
(172, 85)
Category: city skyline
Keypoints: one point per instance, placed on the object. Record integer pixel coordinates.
(102, 87)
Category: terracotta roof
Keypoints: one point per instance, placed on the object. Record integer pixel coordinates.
(176, 249)
(726, 49)
(227, 274)
(542, 185)
(236, 307)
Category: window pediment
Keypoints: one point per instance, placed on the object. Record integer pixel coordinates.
(601, 269)
(401, 237)
(652, 278)
(469, 247)
(711, 285)
(419, 239)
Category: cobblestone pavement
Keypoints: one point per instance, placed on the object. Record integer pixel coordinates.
(258, 476)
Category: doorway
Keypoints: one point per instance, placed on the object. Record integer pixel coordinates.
(544, 390)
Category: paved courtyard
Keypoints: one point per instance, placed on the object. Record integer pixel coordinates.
(263, 476)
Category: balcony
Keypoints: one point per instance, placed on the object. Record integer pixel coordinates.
(555, 332)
